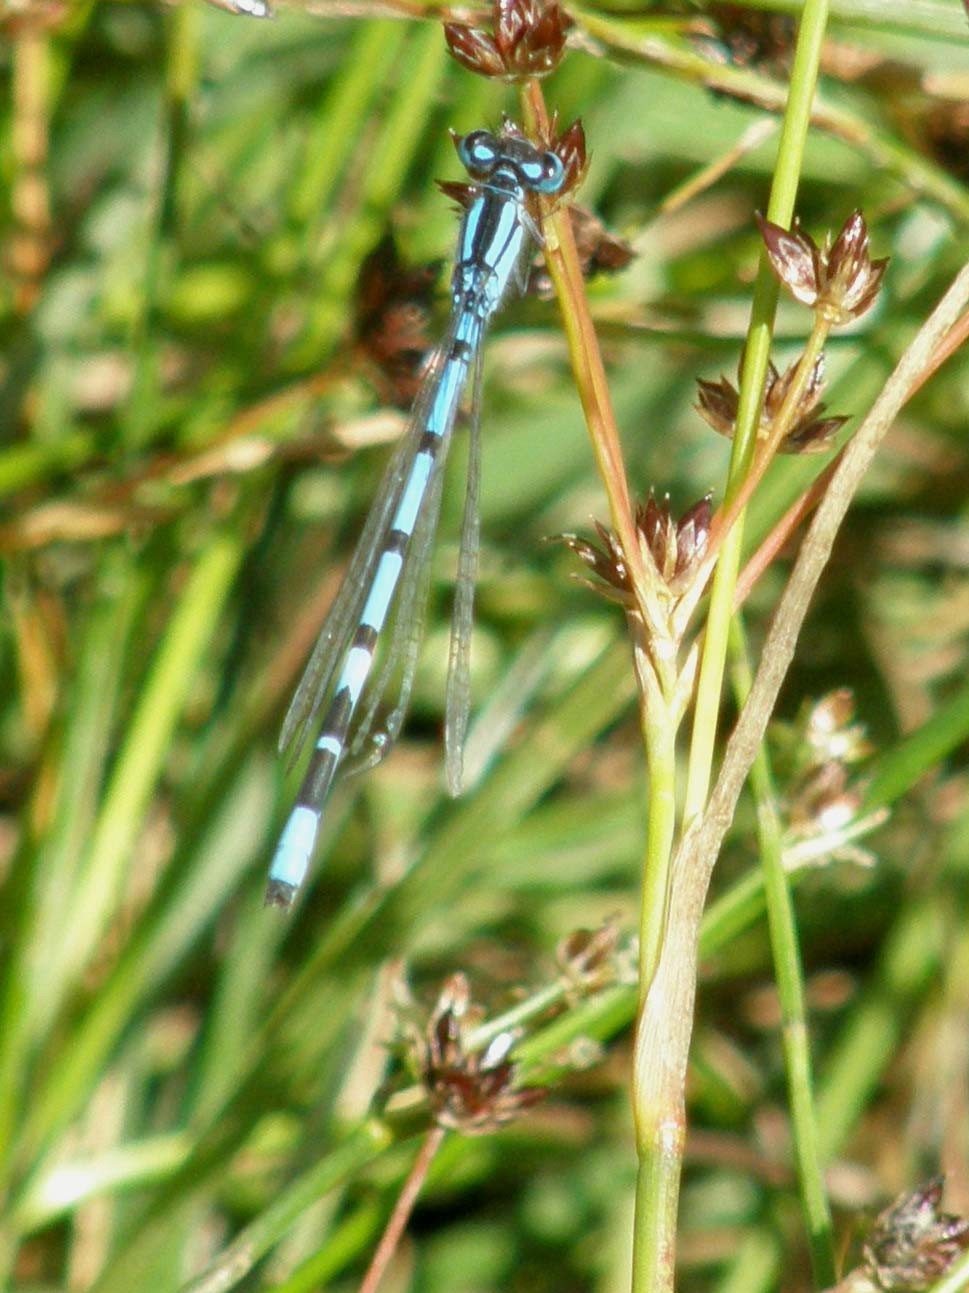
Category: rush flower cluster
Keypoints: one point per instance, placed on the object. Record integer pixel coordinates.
(528, 39)
(912, 1243)
(472, 1092)
(839, 280)
(809, 432)
(676, 548)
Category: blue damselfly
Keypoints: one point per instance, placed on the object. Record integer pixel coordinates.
(391, 559)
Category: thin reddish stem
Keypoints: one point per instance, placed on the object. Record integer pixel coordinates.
(397, 1222)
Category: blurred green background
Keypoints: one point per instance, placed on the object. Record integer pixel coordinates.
(191, 438)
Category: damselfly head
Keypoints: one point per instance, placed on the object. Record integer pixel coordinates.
(482, 153)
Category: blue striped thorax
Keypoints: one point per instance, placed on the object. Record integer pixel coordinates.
(496, 224)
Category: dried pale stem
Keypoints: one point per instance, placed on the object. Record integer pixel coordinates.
(782, 638)
(403, 1208)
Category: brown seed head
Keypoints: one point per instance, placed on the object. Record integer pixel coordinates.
(809, 433)
(570, 145)
(832, 732)
(823, 801)
(676, 548)
(607, 562)
(528, 40)
(912, 1244)
(588, 957)
(471, 1092)
(840, 281)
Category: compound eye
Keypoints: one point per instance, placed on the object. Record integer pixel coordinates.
(552, 175)
(479, 152)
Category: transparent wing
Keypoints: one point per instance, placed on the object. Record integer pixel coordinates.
(370, 744)
(457, 704)
(344, 615)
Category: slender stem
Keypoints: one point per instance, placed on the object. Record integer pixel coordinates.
(790, 984)
(562, 259)
(780, 210)
(664, 1024)
(659, 1137)
(403, 1208)
(657, 1192)
(731, 514)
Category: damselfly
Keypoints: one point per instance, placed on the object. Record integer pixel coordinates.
(391, 560)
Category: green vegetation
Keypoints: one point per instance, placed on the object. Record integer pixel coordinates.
(198, 1093)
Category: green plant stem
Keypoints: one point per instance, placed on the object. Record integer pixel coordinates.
(780, 210)
(790, 985)
(654, 1221)
(664, 1026)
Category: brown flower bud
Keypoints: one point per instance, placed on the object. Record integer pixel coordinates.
(838, 280)
(471, 1092)
(676, 548)
(809, 432)
(912, 1244)
(528, 40)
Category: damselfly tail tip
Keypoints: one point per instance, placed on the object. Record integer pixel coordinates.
(292, 857)
(280, 894)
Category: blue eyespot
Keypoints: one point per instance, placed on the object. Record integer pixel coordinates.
(479, 152)
(552, 175)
